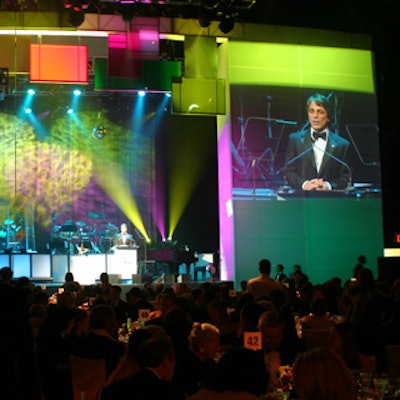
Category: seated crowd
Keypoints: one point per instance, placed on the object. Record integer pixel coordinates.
(191, 343)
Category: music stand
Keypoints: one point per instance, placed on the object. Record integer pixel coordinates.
(365, 142)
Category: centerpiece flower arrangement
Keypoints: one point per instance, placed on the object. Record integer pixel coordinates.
(285, 382)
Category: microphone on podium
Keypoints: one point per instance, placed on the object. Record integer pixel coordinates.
(295, 158)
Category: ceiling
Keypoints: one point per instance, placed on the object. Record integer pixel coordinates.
(363, 16)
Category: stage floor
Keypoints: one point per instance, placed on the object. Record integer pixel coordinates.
(51, 287)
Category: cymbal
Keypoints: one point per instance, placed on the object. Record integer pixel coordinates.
(8, 221)
(93, 215)
(81, 223)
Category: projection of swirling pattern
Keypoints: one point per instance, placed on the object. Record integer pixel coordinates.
(52, 173)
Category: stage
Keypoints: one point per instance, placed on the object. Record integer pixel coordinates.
(122, 266)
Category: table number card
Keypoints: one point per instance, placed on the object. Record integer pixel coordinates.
(252, 340)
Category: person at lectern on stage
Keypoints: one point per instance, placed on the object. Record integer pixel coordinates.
(124, 238)
(317, 157)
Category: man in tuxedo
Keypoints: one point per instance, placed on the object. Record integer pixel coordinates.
(124, 238)
(153, 381)
(317, 157)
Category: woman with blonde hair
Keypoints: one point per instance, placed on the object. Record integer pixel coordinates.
(204, 340)
(320, 374)
(196, 364)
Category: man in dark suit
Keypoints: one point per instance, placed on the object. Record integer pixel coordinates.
(317, 157)
(153, 381)
(124, 238)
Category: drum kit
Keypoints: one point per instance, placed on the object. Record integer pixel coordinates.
(83, 237)
(12, 232)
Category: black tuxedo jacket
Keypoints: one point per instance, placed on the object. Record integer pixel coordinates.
(144, 385)
(119, 240)
(300, 161)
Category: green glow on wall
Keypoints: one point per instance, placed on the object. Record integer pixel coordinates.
(301, 66)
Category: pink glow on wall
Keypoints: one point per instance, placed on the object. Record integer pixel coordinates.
(117, 41)
(123, 60)
(149, 42)
(125, 52)
(225, 204)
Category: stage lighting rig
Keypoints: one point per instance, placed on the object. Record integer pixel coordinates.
(3, 82)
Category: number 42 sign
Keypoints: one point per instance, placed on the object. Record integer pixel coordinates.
(252, 340)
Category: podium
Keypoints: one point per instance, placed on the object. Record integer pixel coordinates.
(87, 269)
(123, 262)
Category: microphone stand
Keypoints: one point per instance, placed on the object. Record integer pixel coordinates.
(292, 160)
(269, 99)
(145, 246)
(349, 186)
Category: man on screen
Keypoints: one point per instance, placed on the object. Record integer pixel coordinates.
(316, 157)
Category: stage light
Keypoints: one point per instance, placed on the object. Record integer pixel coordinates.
(28, 110)
(76, 5)
(99, 132)
(70, 111)
(77, 92)
(141, 93)
(168, 94)
(76, 18)
(227, 24)
(31, 92)
(205, 17)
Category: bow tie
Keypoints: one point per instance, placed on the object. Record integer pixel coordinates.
(316, 135)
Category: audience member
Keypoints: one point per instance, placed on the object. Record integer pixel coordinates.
(166, 302)
(248, 320)
(82, 324)
(178, 324)
(280, 275)
(261, 285)
(54, 344)
(37, 315)
(301, 294)
(344, 342)
(137, 300)
(333, 291)
(361, 263)
(199, 312)
(280, 343)
(153, 380)
(17, 363)
(317, 326)
(240, 374)
(368, 312)
(195, 366)
(219, 317)
(66, 299)
(388, 334)
(101, 341)
(102, 290)
(71, 285)
(320, 374)
(120, 306)
(129, 364)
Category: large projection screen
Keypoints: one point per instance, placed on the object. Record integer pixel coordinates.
(269, 86)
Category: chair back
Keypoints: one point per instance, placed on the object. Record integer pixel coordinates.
(88, 377)
(393, 359)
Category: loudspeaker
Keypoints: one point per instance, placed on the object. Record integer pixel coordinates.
(183, 278)
(142, 278)
(114, 279)
(168, 278)
(388, 269)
